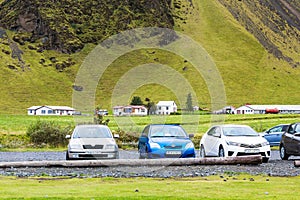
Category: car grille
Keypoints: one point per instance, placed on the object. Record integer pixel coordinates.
(248, 154)
(93, 147)
(173, 156)
(172, 147)
(93, 156)
(251, 145)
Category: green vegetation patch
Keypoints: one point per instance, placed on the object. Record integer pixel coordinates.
(241, 186)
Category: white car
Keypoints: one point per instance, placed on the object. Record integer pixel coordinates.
(92, 142)
(234, 140)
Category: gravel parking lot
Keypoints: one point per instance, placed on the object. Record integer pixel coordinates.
(275, 167)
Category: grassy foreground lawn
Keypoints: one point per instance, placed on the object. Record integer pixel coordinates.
(213, 187)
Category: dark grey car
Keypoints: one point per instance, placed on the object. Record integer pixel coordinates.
(290, 142)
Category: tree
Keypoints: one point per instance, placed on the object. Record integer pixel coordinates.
(151, 106)
(189, 103)
(136, 101)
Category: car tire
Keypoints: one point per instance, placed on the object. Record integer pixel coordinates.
(282, 153)
(67, 156)
(143, 153)
(221, 152)
(202, 152)
(265, 160)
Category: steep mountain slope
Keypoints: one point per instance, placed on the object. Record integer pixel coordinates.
(255, 45)
(275, 23)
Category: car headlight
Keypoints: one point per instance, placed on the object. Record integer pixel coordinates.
(154, 146)
(189, 145)
(230, 143)
(111, 146)
(75, 146)
(264, 144)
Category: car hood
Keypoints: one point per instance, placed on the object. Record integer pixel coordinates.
(162, 141)
(93, 141)
(246, 139)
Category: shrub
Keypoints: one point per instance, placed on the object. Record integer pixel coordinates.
(44, 133)
(126, 139)
(196, 140)
(13, 141)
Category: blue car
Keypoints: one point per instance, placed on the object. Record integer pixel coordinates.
(274, 134)
(165, 141)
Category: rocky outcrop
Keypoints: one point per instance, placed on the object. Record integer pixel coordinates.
(66, 25)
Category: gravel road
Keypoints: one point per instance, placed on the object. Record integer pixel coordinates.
(275, 167)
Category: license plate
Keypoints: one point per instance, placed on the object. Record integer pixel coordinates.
(251, 150)
(93, 152)
(173, 152)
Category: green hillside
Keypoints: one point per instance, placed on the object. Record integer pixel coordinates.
(43, 75)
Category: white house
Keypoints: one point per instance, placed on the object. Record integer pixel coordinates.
(225, 110)
(50, 110)
(166, 107)
(130, 110)
(265, 109)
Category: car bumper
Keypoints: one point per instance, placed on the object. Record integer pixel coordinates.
(165, 153)
(239, 151)
(93, 155)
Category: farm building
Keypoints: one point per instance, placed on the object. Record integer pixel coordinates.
(166, 107)
(130, 110)
(50, 110)
(267, 109)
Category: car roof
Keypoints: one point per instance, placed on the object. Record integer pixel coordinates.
(164, 125)
(91, 125)
(231, 125)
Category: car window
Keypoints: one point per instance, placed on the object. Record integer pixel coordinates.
(292, 129)
(167, 131)
(211, 132)
(297, 129)
(276, 129)
(217, 132)
(146, 131)
(239, 131)
(285, 127)
(91, 132)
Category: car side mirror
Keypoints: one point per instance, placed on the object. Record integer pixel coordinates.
(116, 136)
(218, 135)
(68, 137)
(191, 135)
(143, 139)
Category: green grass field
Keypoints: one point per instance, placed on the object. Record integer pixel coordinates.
(18, 124)
(212, 187)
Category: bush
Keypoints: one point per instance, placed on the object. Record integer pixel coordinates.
(13, 141)
(196, 140)
(44, 133)
(127, 139)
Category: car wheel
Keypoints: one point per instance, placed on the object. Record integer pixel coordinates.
(143, 153)
(221, 152)
(67, 156)
(202, 152)
(283, 154)
(265, 159)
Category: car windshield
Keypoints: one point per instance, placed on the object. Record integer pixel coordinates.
(239, 131)
(167, 131)
(91, 132)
